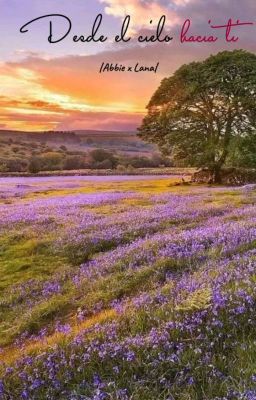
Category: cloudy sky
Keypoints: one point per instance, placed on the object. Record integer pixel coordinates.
(58, 86)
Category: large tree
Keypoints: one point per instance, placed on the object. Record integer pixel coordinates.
(204, 115)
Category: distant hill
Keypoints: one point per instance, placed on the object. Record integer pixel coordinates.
(49, 136)
(24, 152)
(121, 142)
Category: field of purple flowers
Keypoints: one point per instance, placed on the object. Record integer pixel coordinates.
(126, 288)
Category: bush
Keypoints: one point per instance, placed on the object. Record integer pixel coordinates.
(52, 161)
(105, 164)
(35, 165)
(103, 159)
(121, 168)
(155, 161)
(74, 162)
(16, 165)
(3, 166)
(100, 155)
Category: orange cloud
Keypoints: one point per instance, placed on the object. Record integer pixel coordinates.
(68, 92)
(36, 97)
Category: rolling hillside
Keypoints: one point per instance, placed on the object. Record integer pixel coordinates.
(122, 142)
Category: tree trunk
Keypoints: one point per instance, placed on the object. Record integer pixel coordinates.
(217, 175)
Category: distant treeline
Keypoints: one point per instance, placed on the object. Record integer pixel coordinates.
(35, 157)
(56, 136)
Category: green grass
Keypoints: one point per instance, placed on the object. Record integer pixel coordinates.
(24, 257)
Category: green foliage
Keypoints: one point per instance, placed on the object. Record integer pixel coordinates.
(205, 115)
(49, 161)
(23, 258)
(243, 152)
(34, 165)
(42, 151)
(16, 165)
(74, 162)
(155, 161)
(103, 159)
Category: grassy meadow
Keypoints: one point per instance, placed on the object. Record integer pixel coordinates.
(125, 288)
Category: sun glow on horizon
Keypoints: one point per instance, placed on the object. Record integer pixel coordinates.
(28, 101)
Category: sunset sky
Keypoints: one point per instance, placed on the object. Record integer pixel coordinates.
(58, 86)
